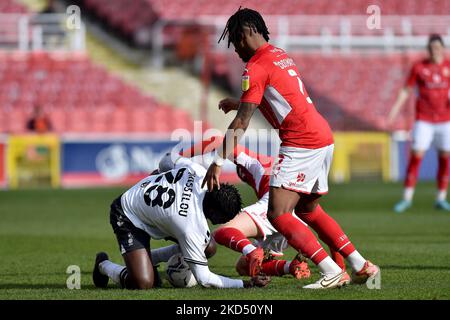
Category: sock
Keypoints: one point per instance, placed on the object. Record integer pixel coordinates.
(286, 267)
(274, 267)
(247, 249)
(441, 195)
(328, 267)
(328, 231)
(233, 239)
(408, 194)
(413, 171)
(338, 258)
(299, 237)
(356, 261)
(442, 178)
(163, 254)
(112, 270)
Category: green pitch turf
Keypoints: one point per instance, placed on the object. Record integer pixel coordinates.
(42, 232)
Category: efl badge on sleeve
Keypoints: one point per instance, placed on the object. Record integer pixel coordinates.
(245, 82)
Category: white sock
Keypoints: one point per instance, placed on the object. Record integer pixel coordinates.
(356, 261)
(247, 249)
(441, 195)
(286, 267)
(111, 270)
(163, 254)
(328, 267)
(408, 194)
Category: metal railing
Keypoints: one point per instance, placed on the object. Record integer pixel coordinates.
(44, 32)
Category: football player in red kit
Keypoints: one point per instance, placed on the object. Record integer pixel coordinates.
(272, 83)
(432, 125)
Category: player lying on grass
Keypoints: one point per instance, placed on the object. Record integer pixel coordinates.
(252, 222)
(169, 205)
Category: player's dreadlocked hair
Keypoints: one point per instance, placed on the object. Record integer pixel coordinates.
(222, 205)
(244, 17)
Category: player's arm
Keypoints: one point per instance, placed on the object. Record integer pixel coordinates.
(403, 94)
(399, 103)
(173, 160)
(255, 163)
(234, 133)
(208, 279)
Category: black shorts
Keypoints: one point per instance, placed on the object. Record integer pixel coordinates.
(128, 236)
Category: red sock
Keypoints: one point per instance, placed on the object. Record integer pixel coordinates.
(328, 231)
(413, 171)
(231, 238)
(299, 237)
(442, 176)
(338, 258)
(273, 267)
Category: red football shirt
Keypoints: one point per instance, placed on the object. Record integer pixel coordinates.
(433, 82)
(272, 81)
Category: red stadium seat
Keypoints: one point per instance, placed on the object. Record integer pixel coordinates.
(79, 96)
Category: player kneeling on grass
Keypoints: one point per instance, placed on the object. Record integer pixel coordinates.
(254, 169)
(169, 205)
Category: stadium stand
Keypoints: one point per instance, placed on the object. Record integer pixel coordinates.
(78, 95)
(188, 8)
(129, 18)
(12, 6)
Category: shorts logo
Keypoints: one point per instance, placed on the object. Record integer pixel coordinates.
(301, 177)
(277, 167)
(130, 239)
(245, 82)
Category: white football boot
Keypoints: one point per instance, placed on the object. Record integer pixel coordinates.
(328, 281)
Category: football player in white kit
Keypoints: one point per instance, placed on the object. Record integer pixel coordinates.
(169, 205)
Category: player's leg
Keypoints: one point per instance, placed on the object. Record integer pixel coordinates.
(443, 145)
(340, 261)
(134, 243)
(294, 174)
(139, 272)
(163, 254)
(332, 234)
(297, 267)
(338, 258)
(235, 234)
(422, 137)
(298, 234)
(442, 181)
(328, 230)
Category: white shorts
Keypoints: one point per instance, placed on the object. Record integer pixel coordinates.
(426, 133)
(303, 170)
(272, 239)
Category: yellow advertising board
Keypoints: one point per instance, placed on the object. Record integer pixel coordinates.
(361, 156)
(33, 161)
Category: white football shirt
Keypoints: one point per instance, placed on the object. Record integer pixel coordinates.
(170, 206)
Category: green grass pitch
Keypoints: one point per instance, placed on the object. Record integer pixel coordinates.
(42, 232)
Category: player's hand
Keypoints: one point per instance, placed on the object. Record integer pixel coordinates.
(257, 281)
(212, 177)
(228, 104)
